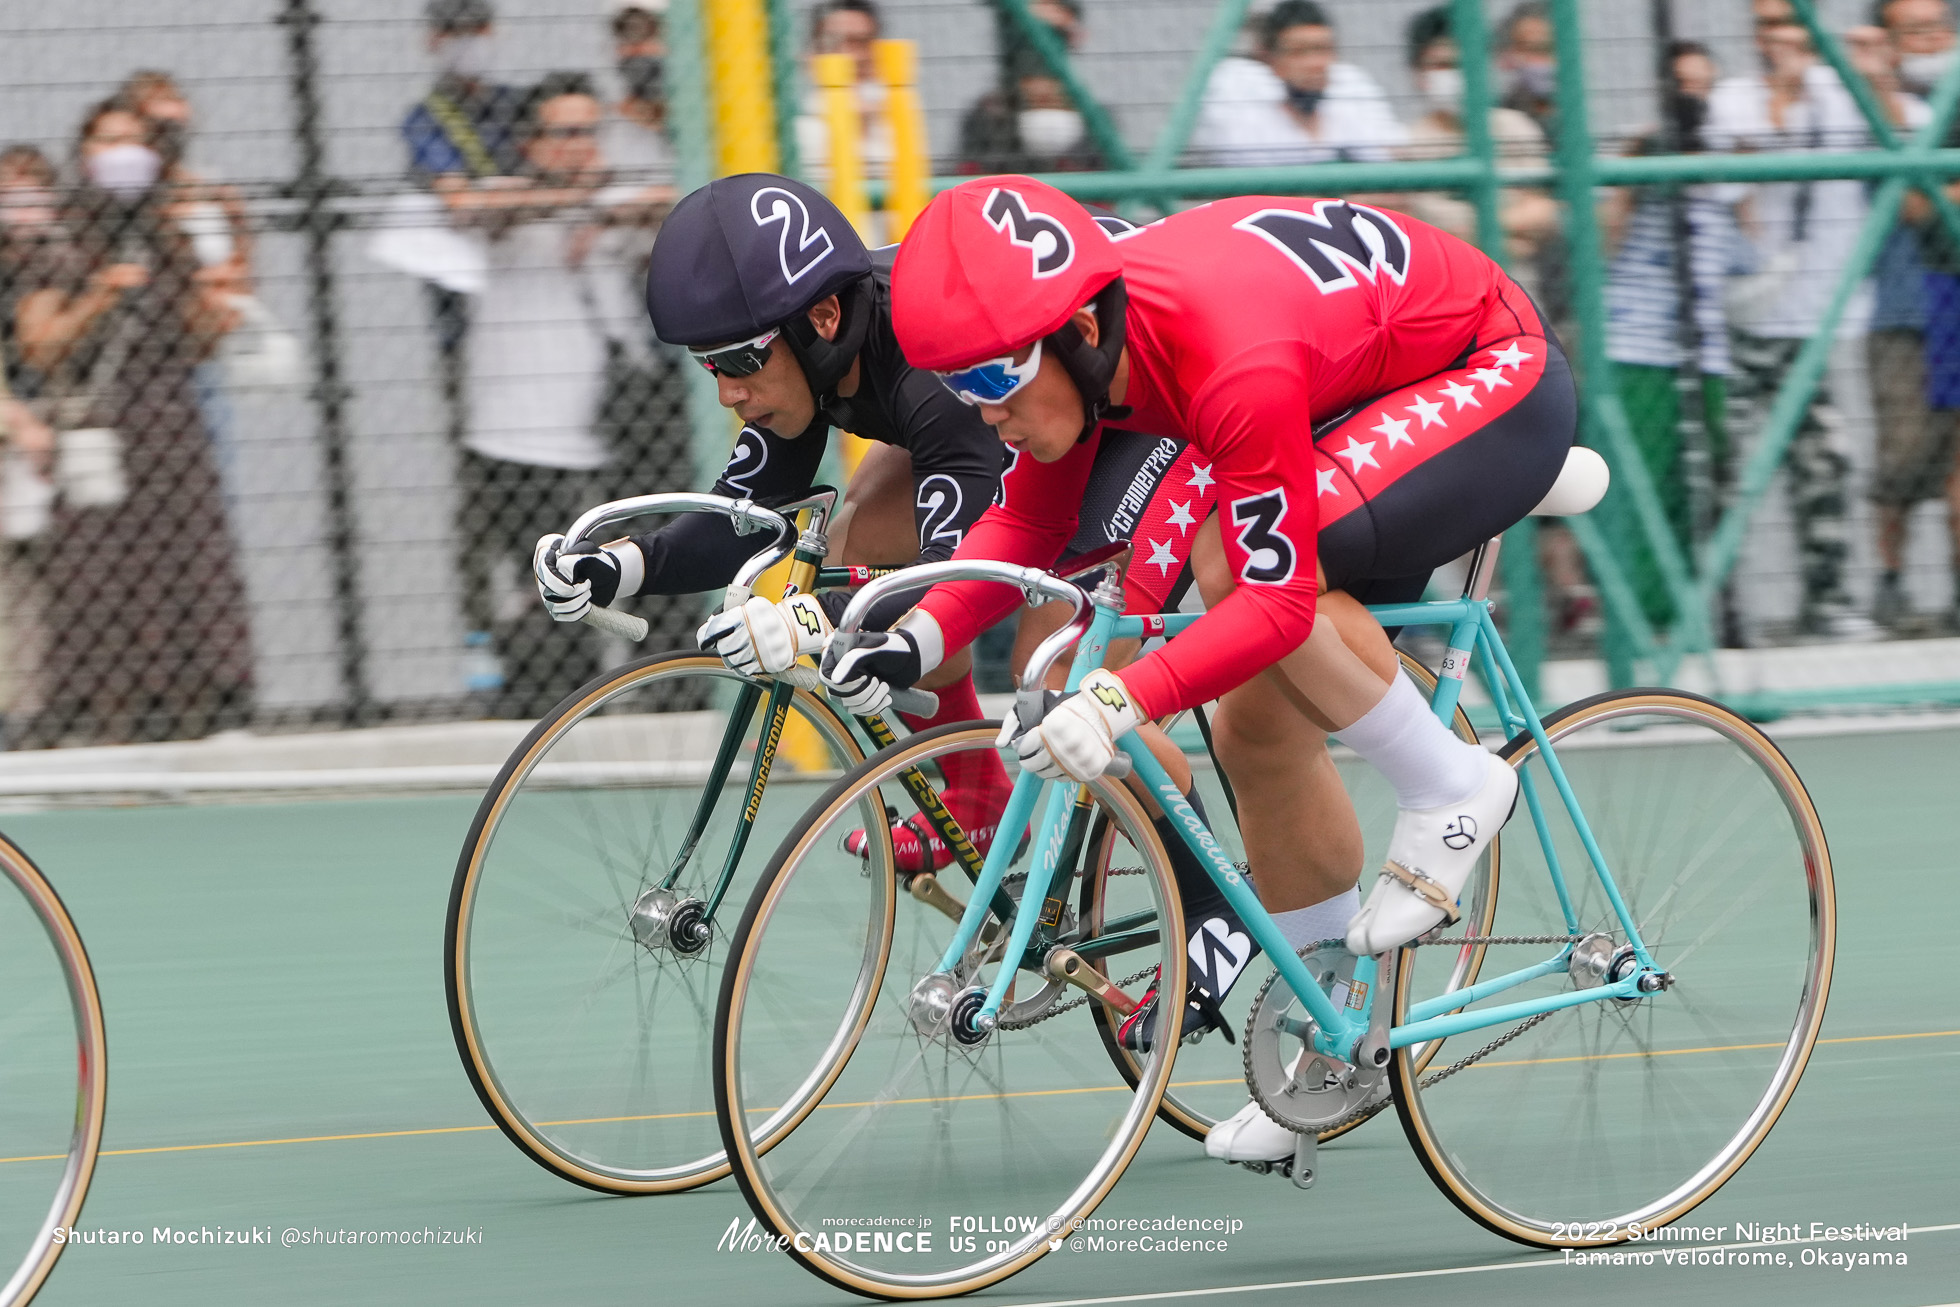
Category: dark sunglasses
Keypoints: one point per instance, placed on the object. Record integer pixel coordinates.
(742, 359)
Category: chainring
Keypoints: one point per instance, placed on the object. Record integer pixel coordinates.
(1302, 1089)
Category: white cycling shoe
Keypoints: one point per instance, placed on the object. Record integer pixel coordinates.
(1250, 1136)
(1430, 858)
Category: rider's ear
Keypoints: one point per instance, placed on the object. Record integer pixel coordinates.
(827, 315)
(1085, 322)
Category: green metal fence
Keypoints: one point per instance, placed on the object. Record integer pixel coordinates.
(1638, 649)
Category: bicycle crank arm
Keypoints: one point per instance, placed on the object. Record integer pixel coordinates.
(1070, 967)
(925, 887)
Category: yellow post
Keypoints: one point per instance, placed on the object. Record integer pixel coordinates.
(898, 66)
(836, 76)
(741, 84)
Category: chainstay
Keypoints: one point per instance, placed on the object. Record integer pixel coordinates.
(1496, 939)
(1072, 1004)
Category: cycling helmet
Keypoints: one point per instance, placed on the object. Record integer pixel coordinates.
(751, 253)
(997, 263)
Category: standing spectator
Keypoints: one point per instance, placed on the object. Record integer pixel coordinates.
(1297, 102)
(1527, 215)
(114, 314)
(214, 218)
(1527, 58)
(847, 27)
(557, 314)
(1802, 234)
(1028, 124)
(461, 140)
(28, 211)
(1666, 329)
(464, 129)
(1918, 391)
(634, 138)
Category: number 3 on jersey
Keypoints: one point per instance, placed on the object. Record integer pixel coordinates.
(1269, 556)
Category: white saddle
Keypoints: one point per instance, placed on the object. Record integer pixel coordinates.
(1581, 484)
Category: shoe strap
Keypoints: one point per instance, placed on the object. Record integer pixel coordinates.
(1425, 887)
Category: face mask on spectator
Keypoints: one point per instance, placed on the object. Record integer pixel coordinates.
(871, 97)
(1050, 132)
(124, 170)
(1442, 88)
(26, 206)
(1536, 80)
(643, 75)
(1304, 102)
(467, 57)
(1921, 72)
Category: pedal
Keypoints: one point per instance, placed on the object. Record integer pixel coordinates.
(1301, 1168)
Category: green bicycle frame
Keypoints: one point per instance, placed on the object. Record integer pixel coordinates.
(1338, 1032)
(769, 734)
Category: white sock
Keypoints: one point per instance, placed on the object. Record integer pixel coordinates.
(1407, 743)
(1317, 921)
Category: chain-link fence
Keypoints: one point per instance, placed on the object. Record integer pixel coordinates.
(318, 312)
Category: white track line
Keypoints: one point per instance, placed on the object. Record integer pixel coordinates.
(1423, 1275)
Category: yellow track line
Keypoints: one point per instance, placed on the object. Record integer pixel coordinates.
(1025, 1093)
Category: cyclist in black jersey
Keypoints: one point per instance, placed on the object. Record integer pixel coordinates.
(771, 290)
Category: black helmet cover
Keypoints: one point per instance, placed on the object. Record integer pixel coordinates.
(749, 253)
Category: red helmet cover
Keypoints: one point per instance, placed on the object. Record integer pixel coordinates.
(992, 265)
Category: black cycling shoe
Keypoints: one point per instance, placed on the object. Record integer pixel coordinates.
(1201, 1014)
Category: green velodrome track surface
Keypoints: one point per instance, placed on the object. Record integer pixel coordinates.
(280, 1057)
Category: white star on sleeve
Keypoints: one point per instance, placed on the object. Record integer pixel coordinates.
(1181, 516)
(1396, 429)
(1491, 377)
(1200, 477)
(1359, 454)
(1161, 555)
(1429, 410)
(1511, 356)
(1326, 478)
(1465, 396)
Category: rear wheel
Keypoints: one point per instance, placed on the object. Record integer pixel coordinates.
(1597, 1121)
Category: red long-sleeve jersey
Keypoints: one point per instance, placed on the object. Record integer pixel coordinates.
(1249, 321)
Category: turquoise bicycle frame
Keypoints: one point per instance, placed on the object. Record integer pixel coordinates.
(1337, 1032)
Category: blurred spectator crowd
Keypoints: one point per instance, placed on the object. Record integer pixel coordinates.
(130, 319)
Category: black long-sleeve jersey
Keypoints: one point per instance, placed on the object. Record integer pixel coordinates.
(957, 462)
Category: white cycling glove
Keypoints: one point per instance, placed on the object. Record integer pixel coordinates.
(1077, 740)
(761, 637)
(571, 582)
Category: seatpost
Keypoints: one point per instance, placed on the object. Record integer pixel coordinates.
(1483, 564)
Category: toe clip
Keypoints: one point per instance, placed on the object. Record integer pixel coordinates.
(1425, 887)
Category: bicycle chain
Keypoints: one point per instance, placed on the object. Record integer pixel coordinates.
(1483, 1052)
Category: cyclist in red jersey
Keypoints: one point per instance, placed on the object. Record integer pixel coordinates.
(1369, 397)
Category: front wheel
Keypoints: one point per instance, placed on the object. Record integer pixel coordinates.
(589, 919)
(877, 1132)
(1594, 1123)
